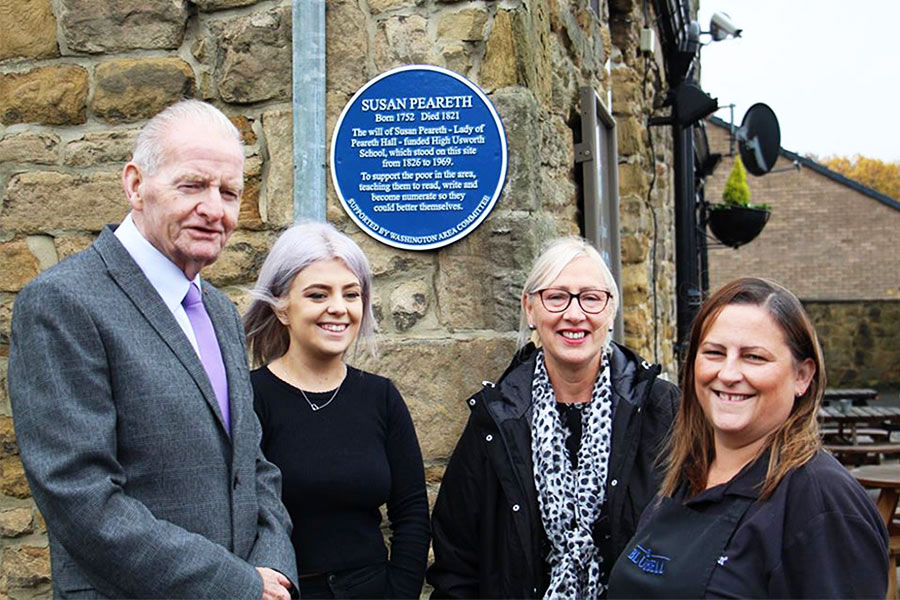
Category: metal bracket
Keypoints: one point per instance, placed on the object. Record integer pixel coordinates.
(583, 153)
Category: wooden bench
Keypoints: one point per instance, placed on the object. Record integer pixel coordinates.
(858, 454)
(833, 434)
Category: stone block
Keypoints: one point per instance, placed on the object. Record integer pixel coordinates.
(466, 25)
(45, 201)
(134, 89)
(558, 145)
(253, 166)
(630, 134)
(253, 62)
(28, 147)
(409, 303)
(635, 247)
(241, 259)
(40, 524)
(277, 207)
(518, 51)
(480, 278)
(26, 566)
(214, 5)
(54, 95)
(16, 522)
(457, 57)
(376, 7)
(98, 26)
(386, 261)
(6, 306)
(565, 80)
(105, 147)
(43, 249)
(518, 111)
(12, 478)
(633, 180)
(434, 473)
(499, 68)
(245, 126)
(635, 283)
(29, 29)
(436, 377)
(558, 195)
(19, 265)
(249, 216)
(347, 41)
(626, 91)
(401, 41)
(638, 325)
(8, 445)
(69, 244)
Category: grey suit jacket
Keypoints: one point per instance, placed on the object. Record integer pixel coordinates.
(143, 491)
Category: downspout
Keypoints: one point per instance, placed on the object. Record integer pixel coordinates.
(308, 106)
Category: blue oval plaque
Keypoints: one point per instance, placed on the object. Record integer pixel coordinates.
(418, 157)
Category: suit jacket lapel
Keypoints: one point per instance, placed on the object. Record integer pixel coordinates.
(142, 294)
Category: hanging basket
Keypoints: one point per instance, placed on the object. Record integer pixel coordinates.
(736, 225)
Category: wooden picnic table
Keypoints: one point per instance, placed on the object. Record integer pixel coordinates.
(886, 479)
(853, 416)
(859, 396)
(860, 454)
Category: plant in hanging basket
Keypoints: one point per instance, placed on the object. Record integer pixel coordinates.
(736, 220)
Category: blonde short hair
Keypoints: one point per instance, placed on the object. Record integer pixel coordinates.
(556, 255)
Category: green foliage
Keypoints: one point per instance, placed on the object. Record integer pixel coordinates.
(737, 192)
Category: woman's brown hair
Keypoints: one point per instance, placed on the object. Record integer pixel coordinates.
(796, 441)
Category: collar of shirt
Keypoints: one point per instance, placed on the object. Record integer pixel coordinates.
(166, 278)
(746, 483)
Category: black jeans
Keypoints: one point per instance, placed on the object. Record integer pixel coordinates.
(369, 581)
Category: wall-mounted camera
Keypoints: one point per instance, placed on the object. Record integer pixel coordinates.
(722, 27)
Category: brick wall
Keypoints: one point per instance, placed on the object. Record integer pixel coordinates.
(824, 240)
(836, 249)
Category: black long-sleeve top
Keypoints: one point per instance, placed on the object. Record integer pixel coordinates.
(339, 465)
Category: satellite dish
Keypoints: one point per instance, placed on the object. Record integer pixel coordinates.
(759, 139)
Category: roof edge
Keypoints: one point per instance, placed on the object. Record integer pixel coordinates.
(823, 170)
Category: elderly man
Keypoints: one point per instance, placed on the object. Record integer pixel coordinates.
(131, 395)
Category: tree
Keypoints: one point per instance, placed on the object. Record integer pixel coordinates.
(737, 192)
(881, 176)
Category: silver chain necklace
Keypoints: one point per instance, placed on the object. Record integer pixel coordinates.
(315, 406)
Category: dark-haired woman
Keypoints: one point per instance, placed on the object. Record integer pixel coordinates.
(751, 507)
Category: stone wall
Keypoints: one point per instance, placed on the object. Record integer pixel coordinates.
(79, 77)
(860, 342)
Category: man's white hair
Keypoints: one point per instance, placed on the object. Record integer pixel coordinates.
(149, 146)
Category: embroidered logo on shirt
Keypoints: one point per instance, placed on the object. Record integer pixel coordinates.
(647, 561)
(722, 560)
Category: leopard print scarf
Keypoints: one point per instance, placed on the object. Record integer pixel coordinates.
(570, 500)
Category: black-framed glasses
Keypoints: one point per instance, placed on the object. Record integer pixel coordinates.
(591, 301)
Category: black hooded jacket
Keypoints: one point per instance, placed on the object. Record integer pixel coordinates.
(488, 538)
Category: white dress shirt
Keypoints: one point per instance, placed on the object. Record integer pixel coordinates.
(166, 278)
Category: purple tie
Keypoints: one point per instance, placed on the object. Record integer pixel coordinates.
(210, 355)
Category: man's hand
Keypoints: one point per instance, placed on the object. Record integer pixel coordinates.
(275, 585)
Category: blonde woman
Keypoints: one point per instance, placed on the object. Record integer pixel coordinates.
(558, 459)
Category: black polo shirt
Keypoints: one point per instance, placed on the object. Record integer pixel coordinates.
(818, 536)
